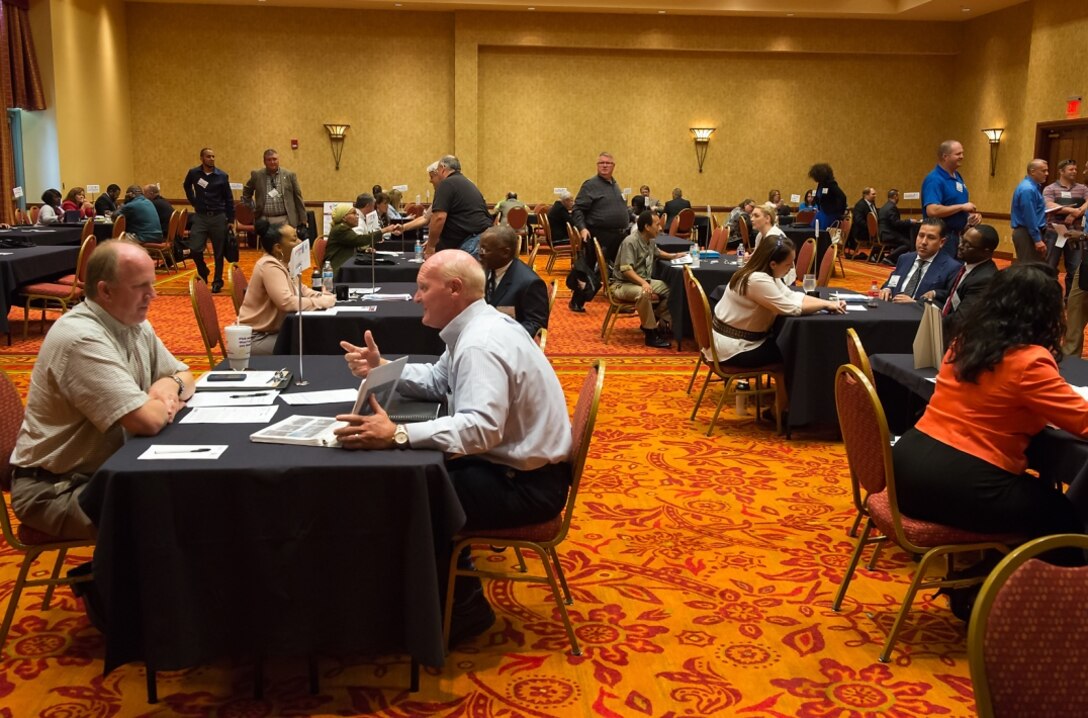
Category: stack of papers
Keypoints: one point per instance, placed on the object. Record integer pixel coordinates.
(230, 415)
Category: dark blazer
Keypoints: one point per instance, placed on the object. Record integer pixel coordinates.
(973, 285)
(859, 230)
(558, 217)
(256, 191)
(673, 208)
(939, 277)
(893, 228)
(104, 204)
(522, 289)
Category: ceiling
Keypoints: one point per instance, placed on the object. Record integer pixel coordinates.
(945, 10)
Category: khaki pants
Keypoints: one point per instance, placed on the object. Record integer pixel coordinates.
(53, 507)
(650, 314)
(1076, 316)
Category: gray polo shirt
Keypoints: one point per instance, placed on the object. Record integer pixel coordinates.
(91, 371)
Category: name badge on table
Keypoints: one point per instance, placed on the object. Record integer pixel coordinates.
(273, 193)
(959, 186)
(202, 183)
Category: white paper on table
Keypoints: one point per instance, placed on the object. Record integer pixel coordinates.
(681, 260)
(329, 396)
(855, 308)
(853, 297)
(330, 311)
(388, 298)
(230, 415)
(388, 254)
(355, 292)
(357, 309)
(174, 452)
(225, 398)
(932, 379)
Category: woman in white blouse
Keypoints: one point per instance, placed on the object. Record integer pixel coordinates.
(756, 295)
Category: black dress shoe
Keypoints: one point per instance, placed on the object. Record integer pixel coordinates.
(656, 339)
(470, 621)
(217, 286)
(576, 306)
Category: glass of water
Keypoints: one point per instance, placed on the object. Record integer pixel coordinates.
(809, 283)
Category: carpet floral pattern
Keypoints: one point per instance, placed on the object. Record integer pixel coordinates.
(702, 568)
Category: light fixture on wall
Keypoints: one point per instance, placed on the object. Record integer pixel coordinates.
(336, 139)
(702, 141)
(993, 134)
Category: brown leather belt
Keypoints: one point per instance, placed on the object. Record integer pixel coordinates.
(733, 333)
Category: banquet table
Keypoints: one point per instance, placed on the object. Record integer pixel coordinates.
(397, 326)
(57, 235)
(271, 549)
(711, 274)
(798, 235)
(30, 264)
(400, 268)
(1057, 455)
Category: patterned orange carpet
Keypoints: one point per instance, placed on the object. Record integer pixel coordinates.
(702, 571)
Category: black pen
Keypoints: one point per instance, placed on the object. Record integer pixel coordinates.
(159, 452)
(243, 396)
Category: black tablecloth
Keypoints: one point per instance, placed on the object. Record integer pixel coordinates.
(798, 235)
(271, 549)
(668, 243)
(1057, 455)
(711, 274)
(357, 270)
(814, 347)
(21, 266)
(51, 236)
(397, 327)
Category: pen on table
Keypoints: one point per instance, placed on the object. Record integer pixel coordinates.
(243, 396)
(182, 451)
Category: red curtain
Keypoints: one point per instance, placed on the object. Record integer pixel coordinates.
(20, 86)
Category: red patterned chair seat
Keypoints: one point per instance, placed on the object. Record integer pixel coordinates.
(52, 289)
(33, 537)
(538, 533)
(926, 533)
(69, 280)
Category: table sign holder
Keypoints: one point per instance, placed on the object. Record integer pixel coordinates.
(300, 261)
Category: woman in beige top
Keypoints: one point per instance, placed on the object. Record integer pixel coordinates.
(271, 293)
(755, 297)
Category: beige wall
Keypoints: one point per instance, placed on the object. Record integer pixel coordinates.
(244, 79)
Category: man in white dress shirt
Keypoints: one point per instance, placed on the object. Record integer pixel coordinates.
(507, 435)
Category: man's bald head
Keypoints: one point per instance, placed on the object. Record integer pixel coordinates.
(151, 191)
(454, 264)
(448, 283)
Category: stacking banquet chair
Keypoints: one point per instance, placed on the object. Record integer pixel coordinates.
(162, 251)
(616, 306)
(178, 233)
(21, 217)
(55, 295)
(119, 223)
(23, 539)
(844, 235)
(558, 250)
(245, 223)
(827, 266)
(207, 319)
(719, 238)
(238, 285)
(542, 333)
(876, 247)
(805, 217)
(518, 219)
(319, 251)
(542, 538)
(34, 214)
(744, 236)
(71, 279)
(859, 358)
(763, 376)
(88, 229)
(869, 453)
(805, 256)
(541, 231)
(682, 224)
(1027, 640)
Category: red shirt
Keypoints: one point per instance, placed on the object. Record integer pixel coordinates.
(995, 419)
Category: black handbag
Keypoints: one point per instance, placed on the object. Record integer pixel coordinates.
(230, 247)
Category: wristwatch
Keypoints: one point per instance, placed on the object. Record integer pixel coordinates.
(400, 436)
(180, 383)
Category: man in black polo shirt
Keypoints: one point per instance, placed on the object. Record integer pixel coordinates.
(458, 214)
(208, 191)
(600, 210)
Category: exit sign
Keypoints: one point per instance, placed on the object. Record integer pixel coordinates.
(1072, 108)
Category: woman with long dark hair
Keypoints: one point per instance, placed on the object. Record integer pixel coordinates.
(830, 199)
(963, 464)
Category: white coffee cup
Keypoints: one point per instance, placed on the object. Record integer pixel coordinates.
(239, 338)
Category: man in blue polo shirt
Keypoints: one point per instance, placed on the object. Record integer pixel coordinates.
(1028, 214)
(945, 195)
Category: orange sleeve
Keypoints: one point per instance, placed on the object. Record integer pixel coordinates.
(1045, 393)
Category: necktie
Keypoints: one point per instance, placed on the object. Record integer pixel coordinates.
(490, 286)
(955, 285)
(912, 285)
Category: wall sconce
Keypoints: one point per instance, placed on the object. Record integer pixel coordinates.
(336, 139)
(702, 141)
(993, 134)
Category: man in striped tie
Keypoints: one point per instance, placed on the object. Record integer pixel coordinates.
(925, 274)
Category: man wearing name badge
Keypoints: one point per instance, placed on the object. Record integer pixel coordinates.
(274, 193)
(632, 279)
(511, 286)
(1027, 216)
(1067, 198)
(600, 211)
(507, 435)
(208, 190)
(101, 374)
(976, 251)
(459, 214)
(925, 274)
(106, 204)
(945, 195)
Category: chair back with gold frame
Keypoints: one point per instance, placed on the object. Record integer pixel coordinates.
(805, 216)
(58, 295)
(24, 539)
(119, 223)
(858, 356)
(207, 318)
(238, 285)
(34, 212)
(320, 244)
(805, 256)
(1027, 640)
(827, 265)
(542, 538)
(88, 229)
(614, 303)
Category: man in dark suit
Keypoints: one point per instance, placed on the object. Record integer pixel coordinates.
(674, 206)
(894, 230)
(926, 274)
(976, 249)
(106, 204)
(859, 230)
(274, 194)
(511, 286)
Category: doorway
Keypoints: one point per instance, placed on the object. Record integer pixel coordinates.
(1062, 140)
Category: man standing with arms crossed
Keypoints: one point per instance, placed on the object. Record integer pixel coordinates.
(1067, 198)
(945, 195)
(208, 191)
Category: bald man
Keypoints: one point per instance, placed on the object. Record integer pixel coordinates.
(1028, 214)
(508, 426)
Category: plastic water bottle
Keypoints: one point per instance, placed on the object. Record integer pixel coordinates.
(740, 254)
(315, 280)
(419, 250)
(695, 255)
(741, 389)
(326, 278)
(874, 294)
